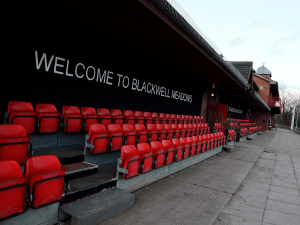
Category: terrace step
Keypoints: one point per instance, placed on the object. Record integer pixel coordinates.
(79, 170)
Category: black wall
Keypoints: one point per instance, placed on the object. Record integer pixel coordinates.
(54, 29)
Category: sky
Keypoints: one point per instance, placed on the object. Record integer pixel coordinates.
(260, 31)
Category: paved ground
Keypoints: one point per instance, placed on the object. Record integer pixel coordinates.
(257, 184)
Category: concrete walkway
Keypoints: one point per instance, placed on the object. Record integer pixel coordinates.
(256, 184)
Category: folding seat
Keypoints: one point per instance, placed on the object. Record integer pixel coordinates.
(14, 143)
(130, 160)
(198, 129)
(186, 147)
(212, 140)
(148, 118)
(163, 134)
(46, 179)
(105, 117)
(209, 137)
(197, 145)
(98, 137)
(72, 119)
(167, 145)
(47, 118)
(178, 149)
(182, 119)
(22, 113)
(142, 133)
(219, 139)
(206, 127)
(179, 118)
(200, 137)
(163, 118)
(130, 134)
(147, 157)
(202, 119)
(174, 119)
(89, 117)
(169, 119)
(177, 131)
(13, 199)
(188, 130)
(140, 119)
(201, 129)
(129, 117)
(198, 119)
(190, 119)
(159, 152)
(156, 119)
(185, 119)
(153, 132)
(117, 116)
(195, 120)
(182, 129)
(192, 130)
(222, 138)
(205, 142)
(116, 136)
(170, 131)
(192, 145)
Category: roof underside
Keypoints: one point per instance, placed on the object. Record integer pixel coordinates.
(244, 67)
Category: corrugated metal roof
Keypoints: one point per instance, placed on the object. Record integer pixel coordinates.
(263, 70)
(244, 67)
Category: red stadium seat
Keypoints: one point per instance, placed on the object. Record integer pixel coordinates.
(105, 117)
(183, 131)
(89, 117)
(205, 143)
(156, 119)
(153, 133)
(162, 132)
(169, 119)
(22, 113)
(129, 117)
(45, 178)
(177, 131)
(174, 119)
(117, 116)
(167, 145)
(140, 119)
(192, 146)
(142, 133)
(130, 134)
(184, 119)
(186, 147)
(130, 160)
(47, 118)
(147, 157)
(116, 135)
(197, 144)
(194, 129)
(178, 149)
(163, 118)
(159, 152)
(189, 129)
(72, 119)
(170, 131)
(148, 118)
(99, 138)
(200, 137)
(12, 190)
(186, 131)
(179, 118)
(14, 143)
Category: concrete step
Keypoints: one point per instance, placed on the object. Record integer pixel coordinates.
(98, 207)
(228, 148)
(89, 185)
(79, 170)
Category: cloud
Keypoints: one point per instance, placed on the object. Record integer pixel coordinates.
(291, 37)
(275, 50)
(236, 41)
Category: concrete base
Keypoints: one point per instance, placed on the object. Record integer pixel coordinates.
(43, 216)
(252, 136)
(99, 207)
(259, 133)
(142, 180)
(230, 143)
(241, 139)
(228, 148)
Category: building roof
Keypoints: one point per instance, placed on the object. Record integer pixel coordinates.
(263, 70)
(244, 67)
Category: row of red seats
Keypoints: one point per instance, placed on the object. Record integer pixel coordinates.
(237, 120)
(143, 157)
(43, 182)
(218, 127)
(231, 135)
(244, 132)
(253, 130)
(115, 136)
(46, 118)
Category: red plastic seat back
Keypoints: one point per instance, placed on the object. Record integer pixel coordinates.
(147, 156)
(72, 117)
(47, 118)
(116, 135)
(185, 146)
(177, 131)
(170, 132)
(148, 118)
(141, 132)
(140, 119)
(192, 145)
(43, 167)
(156, 119)
(162, 132)
(129, 156)
(117, 116)
(129, 117)
(151, 128)
(167, 145)
(99, 138)
(89, 116)
(163, 118)
(179, 150)
(22, 113)
(105, 117)
(129, 133)
(13, 200)
(197, 144)
(174, 119)
(14, 143)
(159, 152)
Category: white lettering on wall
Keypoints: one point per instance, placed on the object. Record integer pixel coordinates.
(79, 64)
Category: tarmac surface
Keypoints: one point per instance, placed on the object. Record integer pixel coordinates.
(256, 184)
